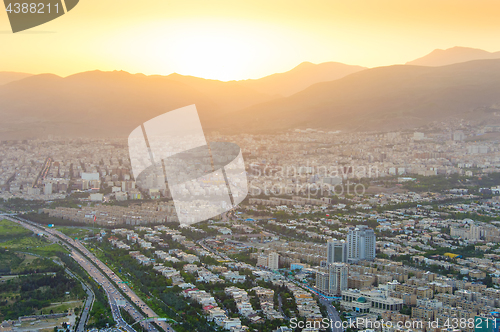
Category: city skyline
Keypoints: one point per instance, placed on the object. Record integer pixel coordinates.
(322, 165)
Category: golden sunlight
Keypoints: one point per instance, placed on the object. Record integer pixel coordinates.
(222, 50)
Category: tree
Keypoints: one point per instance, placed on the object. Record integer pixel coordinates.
(405, 310)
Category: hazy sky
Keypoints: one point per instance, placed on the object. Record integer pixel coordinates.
(238, 39)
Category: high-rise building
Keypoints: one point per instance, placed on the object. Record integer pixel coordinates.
(476, 232)
(339, 273)
(273, 261)
(323, 281)
(333, 279)
(336, 252)
(360, 244)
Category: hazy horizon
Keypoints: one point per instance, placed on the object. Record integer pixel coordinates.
(224, 40)
(256, 78)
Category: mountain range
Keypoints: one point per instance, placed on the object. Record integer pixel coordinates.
(113, 103)
(300, 77)
(384, 98)
(330, 96)
(453, 55)
(7, 77)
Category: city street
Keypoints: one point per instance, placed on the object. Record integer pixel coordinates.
(333, 315)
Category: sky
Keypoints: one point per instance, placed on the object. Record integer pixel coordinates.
(241, 39)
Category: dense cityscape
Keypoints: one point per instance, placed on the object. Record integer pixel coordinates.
(394, 231)
(249, 166)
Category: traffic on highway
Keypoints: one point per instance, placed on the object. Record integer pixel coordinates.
(94, 266)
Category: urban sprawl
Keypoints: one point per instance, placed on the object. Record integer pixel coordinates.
(390, 232)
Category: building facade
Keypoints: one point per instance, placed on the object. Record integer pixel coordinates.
(336, 252)
(333, 279)
(273, 261)
(360, 244)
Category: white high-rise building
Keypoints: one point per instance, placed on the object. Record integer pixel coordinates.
(339, 273)
(333, 279)
(476, 232)
(336, 251)
(360, 244)
(273, 261)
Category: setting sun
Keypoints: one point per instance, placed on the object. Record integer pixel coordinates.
(228, 40)
(222, 50)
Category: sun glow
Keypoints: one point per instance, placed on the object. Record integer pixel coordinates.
(207, 49)
(230, 40)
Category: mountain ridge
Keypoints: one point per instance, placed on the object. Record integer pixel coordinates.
(283, 84)
(10, 76)
(103, 104)
(457, 54)
(382, 98)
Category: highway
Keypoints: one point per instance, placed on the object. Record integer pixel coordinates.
(333, 315)
(87, 261)
(124, 287)
(87, 306)
(114, 297)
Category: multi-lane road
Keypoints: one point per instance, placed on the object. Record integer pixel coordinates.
(114, 296)
(123, 288)
(333, 316)
(87, 306)
(94, 266)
